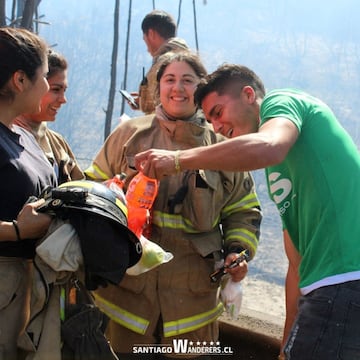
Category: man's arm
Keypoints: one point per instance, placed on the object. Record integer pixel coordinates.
(292, 292)
(268, 146)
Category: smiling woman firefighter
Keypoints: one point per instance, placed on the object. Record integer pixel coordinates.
(24, 172)
(201, 217)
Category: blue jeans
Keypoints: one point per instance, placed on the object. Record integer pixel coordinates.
(328, 325)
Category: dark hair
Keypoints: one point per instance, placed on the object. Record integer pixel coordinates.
(160, 21)
(189, 57)
(20, 49)
(57, 62)
(229, 79)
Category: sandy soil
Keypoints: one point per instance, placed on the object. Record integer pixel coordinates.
(263, 296)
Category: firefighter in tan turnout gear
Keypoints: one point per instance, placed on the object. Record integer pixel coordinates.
(198, 216)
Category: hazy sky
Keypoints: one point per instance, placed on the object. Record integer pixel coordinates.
(227, 30)
(309, 44)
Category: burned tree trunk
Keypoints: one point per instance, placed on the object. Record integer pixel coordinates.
(22, 13)
(28, 14)
(2, 13)
(110, 107)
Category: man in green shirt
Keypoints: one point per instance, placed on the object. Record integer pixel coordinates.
(313, 173)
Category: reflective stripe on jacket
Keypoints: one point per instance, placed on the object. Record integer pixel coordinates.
(121, 316)
(183, 326)
(171, 328)
(195, 215)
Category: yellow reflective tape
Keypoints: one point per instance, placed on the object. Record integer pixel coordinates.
(165, 220)
(80, 183)
(62, 303)
(247, 202)
(90, 173)
(182, 326)
(243, 235)
(177, 222)
(94, 172)
(122, 206)
(121, 316)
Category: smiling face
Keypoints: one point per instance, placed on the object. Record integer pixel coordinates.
(177, 87)
(230, 115)
(53, 99)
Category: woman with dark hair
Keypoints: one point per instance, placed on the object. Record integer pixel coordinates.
(25, 172)
(55, 147)
(198, 216)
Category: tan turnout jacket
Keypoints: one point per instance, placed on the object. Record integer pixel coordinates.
(219, 210)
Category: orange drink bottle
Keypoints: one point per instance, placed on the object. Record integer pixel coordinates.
(140, 196)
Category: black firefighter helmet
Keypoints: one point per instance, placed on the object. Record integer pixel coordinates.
(108, 246)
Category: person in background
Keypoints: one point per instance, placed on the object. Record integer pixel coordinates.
(25, 172)
(159, 34)
(199, 216)
(55, 147)
(313, 173)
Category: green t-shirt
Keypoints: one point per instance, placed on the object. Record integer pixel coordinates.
(317, 187)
